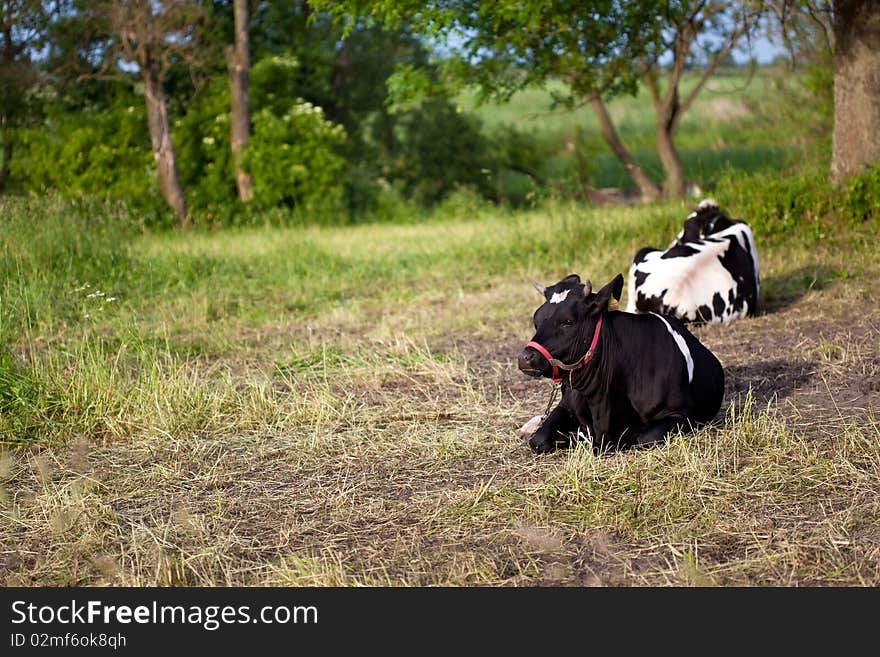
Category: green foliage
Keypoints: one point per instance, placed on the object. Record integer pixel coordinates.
(274, 82)
(293, 152)
(509, 45)
(583, 51)
(25, 26)
(292, 160)
(861, 200)
(102, 151)
(204, 156)
(436, 148)
(324, 139)
(776, 206)
(402, 143)
(409, 86)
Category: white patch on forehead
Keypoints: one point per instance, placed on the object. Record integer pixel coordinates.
(682, 346)
(707, 203)
(559, 297)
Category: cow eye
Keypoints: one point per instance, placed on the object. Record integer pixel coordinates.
(566, 322)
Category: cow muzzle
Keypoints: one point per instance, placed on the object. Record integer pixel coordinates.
(531, 363)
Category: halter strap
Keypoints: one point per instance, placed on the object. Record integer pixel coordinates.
(558, 364)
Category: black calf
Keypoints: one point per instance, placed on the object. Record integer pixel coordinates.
(627, 380)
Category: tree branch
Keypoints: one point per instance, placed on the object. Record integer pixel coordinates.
(824, 22)
(713, 65)
(680, 52)
(650, 82)
(648, 187)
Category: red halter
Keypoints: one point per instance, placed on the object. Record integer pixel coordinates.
(559, 365)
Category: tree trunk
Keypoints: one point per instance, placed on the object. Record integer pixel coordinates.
(668, 114)
(856, 140)
(673, 183)
(339, 107)
(649, 189)
(7, 151)
(668, 111)
(163, 148)
(238, 63)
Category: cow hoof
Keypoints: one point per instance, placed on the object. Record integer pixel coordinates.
(541, 445)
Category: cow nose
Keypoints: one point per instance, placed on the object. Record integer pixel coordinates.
(529, 362)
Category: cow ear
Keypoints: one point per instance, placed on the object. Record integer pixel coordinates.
(616, 287)
(604, 297)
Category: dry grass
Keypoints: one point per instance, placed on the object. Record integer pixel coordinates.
(373, 475)
(373, 442)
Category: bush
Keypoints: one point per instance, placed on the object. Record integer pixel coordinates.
(775, 205)
(862, 199)
(292, 153)
(201, 138)
(433, 150)
(292, 160)
(103, 152)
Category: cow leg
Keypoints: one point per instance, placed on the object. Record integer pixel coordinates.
(605, 438)
(555, 431)
(658, 432)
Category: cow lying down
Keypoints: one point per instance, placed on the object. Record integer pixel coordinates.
(709, 273)
(626, 379)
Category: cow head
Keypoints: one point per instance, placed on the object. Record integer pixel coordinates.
(565, 323)
(707, 219)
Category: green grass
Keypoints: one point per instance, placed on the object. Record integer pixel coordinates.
(733, 124)
(318, 406)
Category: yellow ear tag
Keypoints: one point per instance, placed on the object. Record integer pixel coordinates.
(613, 305)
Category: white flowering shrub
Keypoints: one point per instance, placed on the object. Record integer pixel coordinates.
(204, 156)
(293, 159)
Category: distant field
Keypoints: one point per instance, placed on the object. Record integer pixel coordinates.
(726, 127)
(339, 406)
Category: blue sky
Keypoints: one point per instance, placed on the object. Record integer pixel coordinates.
(763, 50)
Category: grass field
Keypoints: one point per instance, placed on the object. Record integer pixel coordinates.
(734, 124)
(339, 406)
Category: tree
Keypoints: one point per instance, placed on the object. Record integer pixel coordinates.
(725, 24)
(238, 61)
(153, 36)
(599, 48)
(807, 84)
(856, 138)
(23, 25)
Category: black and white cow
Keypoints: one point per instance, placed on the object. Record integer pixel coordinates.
(626, 379)
(709, 273)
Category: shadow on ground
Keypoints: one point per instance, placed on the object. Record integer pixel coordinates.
(779, 291)
(768, 380)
